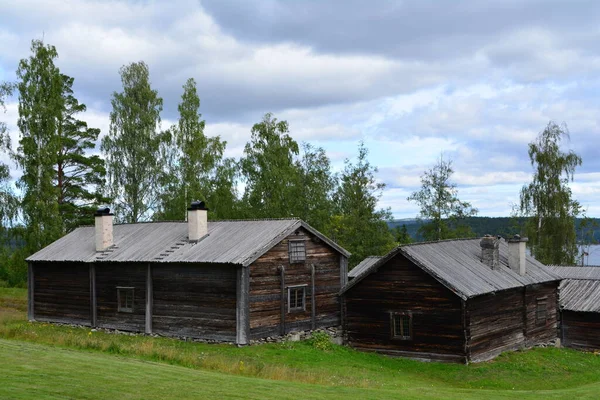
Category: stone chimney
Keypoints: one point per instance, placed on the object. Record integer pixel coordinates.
(103, 228)
(197, 221)
(490, 253)
(516, 254)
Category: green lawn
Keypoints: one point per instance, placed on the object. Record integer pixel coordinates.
(58, 362)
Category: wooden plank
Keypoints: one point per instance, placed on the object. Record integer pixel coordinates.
(243, 306)
(282, 300)
(149, 300)
(313, 303)
(93, 306)
(30, 293)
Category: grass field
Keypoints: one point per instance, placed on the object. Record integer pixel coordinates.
(63, 362)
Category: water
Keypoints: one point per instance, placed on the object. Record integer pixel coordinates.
(594, 255)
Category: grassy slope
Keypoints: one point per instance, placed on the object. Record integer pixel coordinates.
(30, 370)
(339, 371)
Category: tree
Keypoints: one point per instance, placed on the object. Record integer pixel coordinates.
(358, 225)
(270, 171)
(79, 176)
(132, 146)
(40, 107)
(401, 234)
(440, 205)
(197, 169)
(316, 187)
(547, 199)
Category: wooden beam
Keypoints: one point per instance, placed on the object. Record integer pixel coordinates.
(30, 293)
(283, 299)
(93, 308)
(343, 270)
(149, 299)
(313, 305)
(243, 305)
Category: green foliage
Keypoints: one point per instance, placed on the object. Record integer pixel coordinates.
(78, 176)
(401, 234)
(41, 105)
(440, 205)
(321, 341)
(196, 168)
(270, 171)
(358, 225)
(547, 200)
(132, 147)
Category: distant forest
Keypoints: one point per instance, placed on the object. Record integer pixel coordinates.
(503, 226)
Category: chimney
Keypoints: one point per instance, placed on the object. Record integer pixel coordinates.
(516, 254)
(197, 221)
(490, 253)
(104, 228)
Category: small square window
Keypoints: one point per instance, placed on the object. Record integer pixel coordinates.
(541, 311)
(296, 298)
(125, 299)
(401, 326)
(297, 251)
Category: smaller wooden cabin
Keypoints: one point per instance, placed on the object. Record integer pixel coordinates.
(229, 281)
(457, 300)
(579, 302)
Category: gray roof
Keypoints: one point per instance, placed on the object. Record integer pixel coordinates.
(580, 295)
(364, 264)
(228, 242)
(576, 272)
(457, 265)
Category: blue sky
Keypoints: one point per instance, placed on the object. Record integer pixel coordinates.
(476, 80)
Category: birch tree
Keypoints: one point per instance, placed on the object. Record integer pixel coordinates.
(547, 200)
(132, 146)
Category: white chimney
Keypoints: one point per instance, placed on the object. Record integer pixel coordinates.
(197, 221)
(490, 253)
(104, 229)
(516, 254)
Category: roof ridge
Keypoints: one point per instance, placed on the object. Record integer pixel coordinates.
(438, 241)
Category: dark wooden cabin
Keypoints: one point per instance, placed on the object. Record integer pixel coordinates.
(579, 304)
(455, 300)
(224, 280)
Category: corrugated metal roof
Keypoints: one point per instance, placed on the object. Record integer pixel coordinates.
(457, 265)
(576, 272)
(229, 242)
(580, 295)
(364, 264)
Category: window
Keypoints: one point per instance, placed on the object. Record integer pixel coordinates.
(296, 298)
(125, 299)
(297, 251)
(541, 311)
(401, 326)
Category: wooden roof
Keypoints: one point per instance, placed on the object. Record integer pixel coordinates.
(364, 264)
(457, 265)
(228, 242)
(580, 295)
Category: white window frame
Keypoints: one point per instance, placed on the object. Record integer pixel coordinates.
(295, 256)
(124, 290)
(289, 298)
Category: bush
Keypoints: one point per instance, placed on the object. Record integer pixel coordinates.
(321, 341)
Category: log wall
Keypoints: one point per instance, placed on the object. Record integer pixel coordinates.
(61, 292)
(580, 330)
(108, 278)
(495, 324)
(269, 309)
(196, 301)
(400, 286)
(536, 332)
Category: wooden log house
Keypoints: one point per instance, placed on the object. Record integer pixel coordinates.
(579, 305)
(224, 280)
(457, 300)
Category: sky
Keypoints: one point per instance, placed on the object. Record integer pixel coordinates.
(474, 80)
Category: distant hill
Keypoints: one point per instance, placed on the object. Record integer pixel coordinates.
(503, 226)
